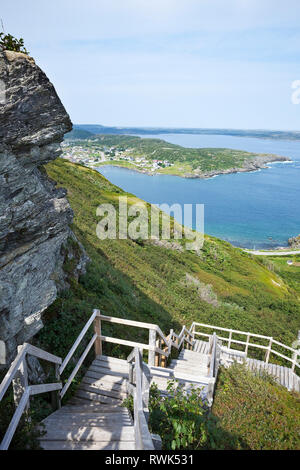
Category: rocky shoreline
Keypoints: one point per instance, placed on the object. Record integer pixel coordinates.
(255, 164)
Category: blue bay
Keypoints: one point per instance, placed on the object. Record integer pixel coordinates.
(254, 210)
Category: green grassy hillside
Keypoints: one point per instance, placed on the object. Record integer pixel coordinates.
(139, 280)
(252, 412)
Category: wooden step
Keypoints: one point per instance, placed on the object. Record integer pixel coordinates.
(190, 368)
(191, 377)
(89, 420)
(105, 384)
(192, 362)
(192, 354)
(87, 445)
(113, 379)
(111, 359)
(60, 432)
(187, 364)
(114, 366)
(101, 391)
(89, 396)
(102, 371)
(77, 405)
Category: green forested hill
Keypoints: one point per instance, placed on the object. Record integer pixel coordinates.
(138, 280)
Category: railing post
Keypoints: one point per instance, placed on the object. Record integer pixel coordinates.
(146, 378)
(158, 356)
(229, 339)
(297, 353)
(247, 343)
(268, 351)
(20, 382)
(97, 328)
(191, 339)
(55, 396)
(163, 361)
(152, 344)
(193, 332)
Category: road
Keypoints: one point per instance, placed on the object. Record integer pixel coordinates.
(273, 253)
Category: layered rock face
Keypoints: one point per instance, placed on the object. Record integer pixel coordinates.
(34, 215)
(294, 242)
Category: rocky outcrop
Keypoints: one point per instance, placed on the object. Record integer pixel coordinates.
(34, 214)
(252, 164)
(294, 242)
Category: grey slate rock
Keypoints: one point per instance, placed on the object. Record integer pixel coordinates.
(34, 214)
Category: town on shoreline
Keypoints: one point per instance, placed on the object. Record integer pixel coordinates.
(155, 156)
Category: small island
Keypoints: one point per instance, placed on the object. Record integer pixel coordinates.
(156, 156)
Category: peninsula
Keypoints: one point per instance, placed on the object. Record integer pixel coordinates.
(156, 156)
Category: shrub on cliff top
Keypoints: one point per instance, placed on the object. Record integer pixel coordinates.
(10, 43)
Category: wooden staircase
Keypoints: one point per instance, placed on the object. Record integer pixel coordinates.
(191, 369)
(94, 418)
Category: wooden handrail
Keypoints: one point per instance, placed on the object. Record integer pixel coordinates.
(79, 363)
(29, 391)
(140, 392)
(268, 348)
(95, 314)
(15, 365)
(19, 366)
(78, 340)
(213, 367)
(213, 356)
(213, 327)
(154, 330)
(15, 421)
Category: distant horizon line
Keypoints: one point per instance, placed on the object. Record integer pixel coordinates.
(186, 128)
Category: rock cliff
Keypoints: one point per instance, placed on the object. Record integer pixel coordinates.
(34, 214)
(294, 242)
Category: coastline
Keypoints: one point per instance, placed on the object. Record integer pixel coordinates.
(256, 164)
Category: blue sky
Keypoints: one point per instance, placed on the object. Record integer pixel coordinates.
(187, 63)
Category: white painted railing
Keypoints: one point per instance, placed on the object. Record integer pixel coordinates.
(139, 388)
(214, 362)
(231, 342)
(159, 346)
(17, 375)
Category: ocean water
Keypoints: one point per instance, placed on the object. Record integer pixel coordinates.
(253, 210)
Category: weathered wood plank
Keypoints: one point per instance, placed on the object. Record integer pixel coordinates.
(103, 384)
(111, 366)
(99, 445)
(84, 420)
(87, 433)
(111, 359)
(106, 393)
(96, 398)
(102, 371)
